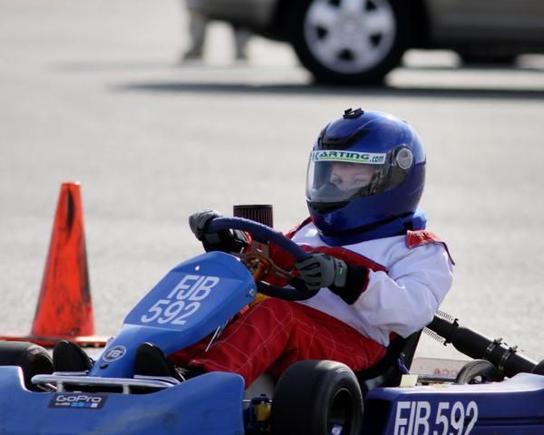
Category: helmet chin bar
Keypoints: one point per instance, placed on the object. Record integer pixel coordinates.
(367, 228)
(390, 227)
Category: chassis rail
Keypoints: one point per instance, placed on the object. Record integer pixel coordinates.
(59, 381)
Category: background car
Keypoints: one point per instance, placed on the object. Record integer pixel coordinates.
(360, 41)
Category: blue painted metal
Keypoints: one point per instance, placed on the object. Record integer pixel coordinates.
(512, 407)
(210, 404)
(188, 304)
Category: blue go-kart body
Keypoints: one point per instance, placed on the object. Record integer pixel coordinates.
(193, 301)
(188, 304)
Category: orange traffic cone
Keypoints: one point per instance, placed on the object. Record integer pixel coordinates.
(64, 308)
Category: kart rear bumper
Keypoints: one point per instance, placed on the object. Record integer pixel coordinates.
(511, 407)
(209, 404)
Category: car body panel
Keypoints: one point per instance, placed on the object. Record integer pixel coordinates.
(451, 23)
(208, 405)
(189, 303)
(487, 22)
(256, 14)
(511, 407)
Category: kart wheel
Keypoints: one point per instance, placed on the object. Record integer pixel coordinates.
(478, 371)
(317, 398)
(539, 368)
(349, 42)
(31, 358)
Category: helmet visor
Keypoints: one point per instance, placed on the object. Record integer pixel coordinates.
(336, 176)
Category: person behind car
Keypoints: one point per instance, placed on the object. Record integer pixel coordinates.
(198, 24)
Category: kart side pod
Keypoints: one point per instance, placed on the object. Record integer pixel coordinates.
(511, 407)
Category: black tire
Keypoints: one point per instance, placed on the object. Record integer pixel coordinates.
(349, 64)
(478, 371)
(539, 368)
(311, 397)
(31, 358)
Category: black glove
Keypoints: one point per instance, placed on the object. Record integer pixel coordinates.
(199, 220)
(224, 240)
(322, 270)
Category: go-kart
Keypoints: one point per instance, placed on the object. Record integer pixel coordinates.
(496, 393)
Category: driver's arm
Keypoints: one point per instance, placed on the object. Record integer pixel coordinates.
(405, 298)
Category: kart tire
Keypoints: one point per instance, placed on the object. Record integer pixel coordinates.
(358, 56)
(31, 358)
(478, 371)
(317, 398)
(539, 368)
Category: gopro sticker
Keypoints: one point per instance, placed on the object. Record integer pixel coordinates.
(77, 401)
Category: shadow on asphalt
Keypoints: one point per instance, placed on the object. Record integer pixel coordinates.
(138, 65)
(187, 85)
(312, 89)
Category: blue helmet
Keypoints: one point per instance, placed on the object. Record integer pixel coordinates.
(365, 176)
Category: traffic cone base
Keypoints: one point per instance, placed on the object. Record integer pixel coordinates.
(91, 341)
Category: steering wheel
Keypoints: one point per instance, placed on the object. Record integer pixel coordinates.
(265, 234)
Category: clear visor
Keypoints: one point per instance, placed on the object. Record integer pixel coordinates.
(338, 176)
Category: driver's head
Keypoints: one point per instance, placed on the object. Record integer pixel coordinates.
(365, 168)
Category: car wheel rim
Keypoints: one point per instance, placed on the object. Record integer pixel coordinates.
(350, 36)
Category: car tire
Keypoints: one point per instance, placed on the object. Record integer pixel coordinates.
(31, 358)
(343, 46)
(478, 371)
(317, 398)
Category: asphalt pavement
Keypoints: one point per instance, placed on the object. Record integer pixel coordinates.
(93, 91)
